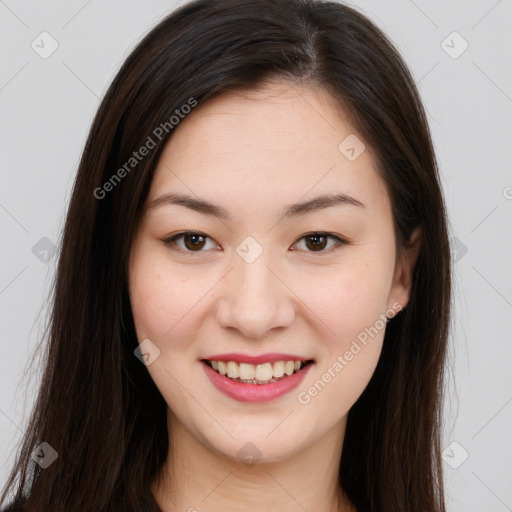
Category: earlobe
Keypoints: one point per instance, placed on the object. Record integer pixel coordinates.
(402, 280)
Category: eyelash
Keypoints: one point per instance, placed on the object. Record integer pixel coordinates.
(171, 242)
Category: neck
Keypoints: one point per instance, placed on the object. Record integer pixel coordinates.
(197, 478)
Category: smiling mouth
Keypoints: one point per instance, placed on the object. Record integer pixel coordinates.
(265, 373)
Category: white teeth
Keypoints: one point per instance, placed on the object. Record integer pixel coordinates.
(263, 371)
(233, 370)
(278, 369)
(246, 371)
(222, 368)
(260, 372)
(288, 367)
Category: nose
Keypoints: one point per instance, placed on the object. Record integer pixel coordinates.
(254, 298)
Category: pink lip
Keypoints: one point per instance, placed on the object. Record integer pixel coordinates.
(264, 358)
(255, 392)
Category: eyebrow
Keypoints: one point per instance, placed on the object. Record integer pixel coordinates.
(293, 210)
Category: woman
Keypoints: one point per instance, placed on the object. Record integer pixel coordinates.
(252, 302)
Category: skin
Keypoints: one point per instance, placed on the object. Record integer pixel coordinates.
(253, 153)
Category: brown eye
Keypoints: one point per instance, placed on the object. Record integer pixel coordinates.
(319, 242)
(316, 242)
(192, 241)
(195, 242)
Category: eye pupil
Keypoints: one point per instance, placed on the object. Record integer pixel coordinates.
(197, 241)
(317, 245)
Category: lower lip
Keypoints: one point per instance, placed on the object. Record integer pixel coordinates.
(255, 392)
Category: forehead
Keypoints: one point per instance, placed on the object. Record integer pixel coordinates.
(278, 143)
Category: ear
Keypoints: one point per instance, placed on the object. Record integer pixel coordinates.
(402, 279)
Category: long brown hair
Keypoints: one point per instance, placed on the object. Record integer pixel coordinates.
(97, 405)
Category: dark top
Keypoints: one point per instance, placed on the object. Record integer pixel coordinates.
(11, 508)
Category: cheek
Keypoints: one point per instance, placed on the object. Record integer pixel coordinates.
(340, 380)
(160, 302)
(162, 305)
(349, 305)
(352, 314)
(157, 301)
(345, 299)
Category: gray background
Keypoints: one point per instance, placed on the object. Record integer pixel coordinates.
(47, 106)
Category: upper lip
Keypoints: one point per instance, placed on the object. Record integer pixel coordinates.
(263, 358)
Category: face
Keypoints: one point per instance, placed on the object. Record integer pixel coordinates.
(315, 284)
